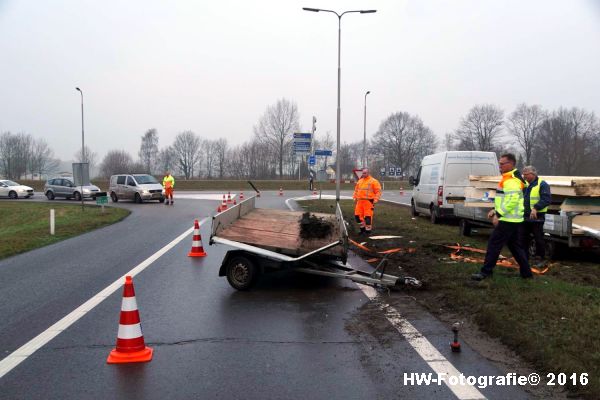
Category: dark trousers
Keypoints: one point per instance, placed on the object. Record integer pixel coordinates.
(510, 234)
(537, 229)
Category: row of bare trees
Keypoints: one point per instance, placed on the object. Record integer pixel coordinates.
(22, 155)
(560, 142)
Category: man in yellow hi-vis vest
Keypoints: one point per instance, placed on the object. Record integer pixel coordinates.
(507, 218)
(537, 197)
(168, 185)
(366, 193)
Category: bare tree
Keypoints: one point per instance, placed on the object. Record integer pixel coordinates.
(41, 160)
(566, 142)
(403, 140)
(186, 148)
(15, 151)
(116, 162)
(209, 150)
(481, 128)
(148, 152)
(276, 127)
(166, 159)
(524, 124)
(221, 155)
(88, 157)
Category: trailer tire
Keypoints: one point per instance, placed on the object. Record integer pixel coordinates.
(464, 228)
(241, 273)
(555, 250)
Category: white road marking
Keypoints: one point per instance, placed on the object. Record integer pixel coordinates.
(21, 354)
(202, 196)
(436, 361)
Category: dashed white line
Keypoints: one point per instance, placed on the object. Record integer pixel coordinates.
(21, 354)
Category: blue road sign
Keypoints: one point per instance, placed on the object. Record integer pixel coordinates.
(301, 145)
(312, 160)
(323, 153)
(307, 136)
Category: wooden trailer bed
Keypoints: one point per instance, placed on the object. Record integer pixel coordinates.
(275, 230)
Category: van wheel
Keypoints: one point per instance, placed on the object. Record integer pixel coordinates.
(49, 195)
(433, 217)
(138, 198)
(464, 228)
(413, 209)
(77, 196)
(241, 273)
(113, 197)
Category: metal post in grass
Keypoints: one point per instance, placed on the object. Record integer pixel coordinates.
(52, 221)
(82, 147)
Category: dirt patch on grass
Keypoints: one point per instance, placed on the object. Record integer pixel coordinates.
(550, 321)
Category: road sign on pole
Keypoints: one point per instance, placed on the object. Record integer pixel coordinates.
(312, 160)
(327, 153)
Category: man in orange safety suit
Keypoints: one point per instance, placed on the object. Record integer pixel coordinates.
(366, 194)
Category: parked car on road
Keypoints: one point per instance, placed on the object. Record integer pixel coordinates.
(13, 190)
(136, 187)
(65, 187)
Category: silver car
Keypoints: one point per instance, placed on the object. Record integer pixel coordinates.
(65, 187)
(13, 190)
(136, 187)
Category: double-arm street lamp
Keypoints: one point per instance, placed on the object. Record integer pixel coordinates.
(82, 148)
(337, 156)
(364, 159)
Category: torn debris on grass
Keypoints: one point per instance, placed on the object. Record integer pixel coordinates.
(313, 227)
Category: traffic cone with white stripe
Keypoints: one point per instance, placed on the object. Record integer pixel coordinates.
(224, 204)
(241, 196)
(281, 191)
(130, 346)
(197, 248)
(315, 192)
(229, 201)
(401, 191)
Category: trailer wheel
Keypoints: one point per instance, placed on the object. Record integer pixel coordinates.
(464, 228)
(555, 250)
(241, 273)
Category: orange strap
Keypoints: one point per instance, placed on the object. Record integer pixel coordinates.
(502, 261)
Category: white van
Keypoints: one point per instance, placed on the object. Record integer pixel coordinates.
(136, 187)
(445, 175)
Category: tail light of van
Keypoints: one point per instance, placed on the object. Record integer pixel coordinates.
(440, 199)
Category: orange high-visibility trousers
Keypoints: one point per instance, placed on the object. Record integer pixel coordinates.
(169, 193)
(363, 212)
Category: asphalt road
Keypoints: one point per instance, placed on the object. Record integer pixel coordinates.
(294, 336)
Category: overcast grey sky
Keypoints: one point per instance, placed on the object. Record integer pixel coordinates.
(214, 66)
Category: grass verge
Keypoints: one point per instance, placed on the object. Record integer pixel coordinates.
(552, 321)
(236, 185)
(26, 226)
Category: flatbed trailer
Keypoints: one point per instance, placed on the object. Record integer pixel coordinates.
(269, 239)
(560, 231)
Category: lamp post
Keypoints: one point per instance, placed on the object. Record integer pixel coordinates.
(337, 155)
(82, 148)
(364, 160)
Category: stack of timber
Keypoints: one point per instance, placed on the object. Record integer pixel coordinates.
(570, 194)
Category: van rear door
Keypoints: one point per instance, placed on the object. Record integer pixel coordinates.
(458, 169)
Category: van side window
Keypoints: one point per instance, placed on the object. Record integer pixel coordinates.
(130, 181)
(434, 175)
(425, 174)
(418, 178)
(121, 180)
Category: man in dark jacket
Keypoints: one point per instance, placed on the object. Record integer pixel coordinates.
(537, 198)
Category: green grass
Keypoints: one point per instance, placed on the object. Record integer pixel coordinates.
(552, 321)
(26, 226)
(235, 185)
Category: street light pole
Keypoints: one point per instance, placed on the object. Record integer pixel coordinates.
(339, 111)
(82, 148)
(364, 160)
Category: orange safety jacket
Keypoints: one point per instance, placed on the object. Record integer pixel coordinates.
(367, 188)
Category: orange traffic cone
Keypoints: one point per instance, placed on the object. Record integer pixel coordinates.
(197, 249)
(234, 202)
(314, 192)
(130, 346)
(219, 208)
(229, 198)
(401, 191)
(257, 194)
(224, 204)
(241, 196)
(281, 191)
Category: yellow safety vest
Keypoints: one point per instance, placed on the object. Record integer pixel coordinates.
(534, 196)
(168, 179)
(509, 202)
(367, 188)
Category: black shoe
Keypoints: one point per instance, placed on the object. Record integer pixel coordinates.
(362, 232)
(479, 276)
(368, 233)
